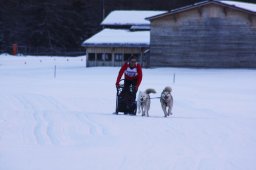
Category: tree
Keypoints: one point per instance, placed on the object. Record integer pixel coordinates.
(62, 25)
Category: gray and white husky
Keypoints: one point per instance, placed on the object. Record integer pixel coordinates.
(166, 101)
(143, 101)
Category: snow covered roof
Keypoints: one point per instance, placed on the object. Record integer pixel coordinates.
(117, 37)
(130, 17)
(244, 6)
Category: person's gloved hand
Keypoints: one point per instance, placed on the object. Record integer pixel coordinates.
(136, 88)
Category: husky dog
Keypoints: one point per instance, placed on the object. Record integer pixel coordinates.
(143, 101)
(166, 101)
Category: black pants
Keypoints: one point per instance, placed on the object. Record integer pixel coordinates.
(130, 88)
(128, 96)
(129, 91)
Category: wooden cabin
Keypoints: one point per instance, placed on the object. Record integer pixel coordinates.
(112, 47)
(206, 34)
(125, 33)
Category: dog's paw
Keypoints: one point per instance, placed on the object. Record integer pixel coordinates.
(169, 114)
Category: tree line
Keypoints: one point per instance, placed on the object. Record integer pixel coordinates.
(62, 25)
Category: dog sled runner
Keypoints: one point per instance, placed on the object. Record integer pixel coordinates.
(125, 100)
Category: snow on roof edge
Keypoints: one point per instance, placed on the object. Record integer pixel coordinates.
(129, 17)
(250, 7)
(118, 36)
(243, 5)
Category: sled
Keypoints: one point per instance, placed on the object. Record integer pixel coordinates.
(125, 101)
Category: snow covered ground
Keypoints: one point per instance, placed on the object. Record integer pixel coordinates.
(66, 123)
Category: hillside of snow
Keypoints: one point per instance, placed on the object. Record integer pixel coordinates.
(63, 120)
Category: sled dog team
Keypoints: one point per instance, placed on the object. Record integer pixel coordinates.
(132, 72)
(166, 100)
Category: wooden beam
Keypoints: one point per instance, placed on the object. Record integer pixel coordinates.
(225, 11)
(250, 18)
(175, 18)
(200, 12)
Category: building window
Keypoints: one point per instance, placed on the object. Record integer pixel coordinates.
(91, 57)
(99, 57)
(119, 57)
(107, 57)
(104, 57)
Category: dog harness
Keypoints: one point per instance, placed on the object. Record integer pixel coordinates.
(163, 101)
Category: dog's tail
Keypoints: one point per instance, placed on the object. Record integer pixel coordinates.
(148, 91)
(168, 88)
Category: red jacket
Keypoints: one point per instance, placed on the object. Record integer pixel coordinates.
(130, 73)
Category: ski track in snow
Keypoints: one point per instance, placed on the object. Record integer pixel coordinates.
(49, 116)
(44, 127)
(53, 122)
(95, 127)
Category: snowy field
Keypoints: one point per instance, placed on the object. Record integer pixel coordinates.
(66, 122)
